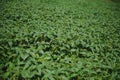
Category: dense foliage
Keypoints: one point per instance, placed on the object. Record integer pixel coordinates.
(59, 40)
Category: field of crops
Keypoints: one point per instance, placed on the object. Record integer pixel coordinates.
(59, 40)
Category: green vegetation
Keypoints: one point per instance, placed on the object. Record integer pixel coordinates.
(59, 40)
